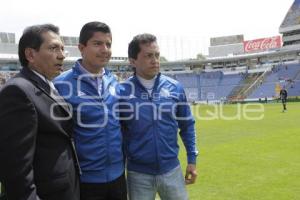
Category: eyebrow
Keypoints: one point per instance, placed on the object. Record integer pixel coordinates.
(155, 53)
(95, 40)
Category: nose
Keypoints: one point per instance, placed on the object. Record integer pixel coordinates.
(105, 49)
(156, 59)
(61, 54)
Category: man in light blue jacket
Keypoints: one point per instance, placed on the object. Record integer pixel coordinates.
(92, 92)
(153, 108)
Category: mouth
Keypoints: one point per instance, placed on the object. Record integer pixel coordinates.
(59, 66)
(103, 57)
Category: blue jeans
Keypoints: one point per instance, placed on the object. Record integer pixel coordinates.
(169, 186)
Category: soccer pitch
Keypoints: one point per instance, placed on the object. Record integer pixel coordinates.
(243, 159)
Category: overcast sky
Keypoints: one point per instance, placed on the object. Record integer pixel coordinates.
(183, 27)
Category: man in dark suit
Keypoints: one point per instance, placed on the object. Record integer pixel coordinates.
(38, 159)
(283, 96)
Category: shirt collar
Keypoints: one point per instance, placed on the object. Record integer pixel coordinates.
(50, 83)
(148, 84)
(84, 71)
(39, 75)
(147, 81)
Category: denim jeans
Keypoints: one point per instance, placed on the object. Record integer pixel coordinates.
(169, 186)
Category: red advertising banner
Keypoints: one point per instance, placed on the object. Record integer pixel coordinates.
(262, 44)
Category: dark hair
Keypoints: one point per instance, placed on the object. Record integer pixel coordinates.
(90, 28)
(134, 45)
(32, 38)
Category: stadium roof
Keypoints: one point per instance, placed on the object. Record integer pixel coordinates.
(277, 52)
(9, 56)
(292, 19)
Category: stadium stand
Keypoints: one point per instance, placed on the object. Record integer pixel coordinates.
(282, 75)
(290, 26)
(229, 76)
(5, 75)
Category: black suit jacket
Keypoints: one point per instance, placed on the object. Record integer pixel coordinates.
(37, 154)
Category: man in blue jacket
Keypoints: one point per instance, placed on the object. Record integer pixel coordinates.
(153, 108)
(92, 92)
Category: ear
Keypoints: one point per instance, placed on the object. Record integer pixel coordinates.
(81, 47)
(132, 62)
(30, 54)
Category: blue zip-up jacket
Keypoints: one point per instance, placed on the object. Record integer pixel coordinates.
(97, 133)
(151, 122)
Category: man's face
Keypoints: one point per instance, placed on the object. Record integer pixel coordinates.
(147, 63)
(97, 52)
(48, 60)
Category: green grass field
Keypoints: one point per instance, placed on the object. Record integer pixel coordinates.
(244, 159)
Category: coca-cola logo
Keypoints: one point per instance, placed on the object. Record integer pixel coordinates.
(262, 44)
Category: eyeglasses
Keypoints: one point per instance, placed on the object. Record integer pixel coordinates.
(56, 49)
